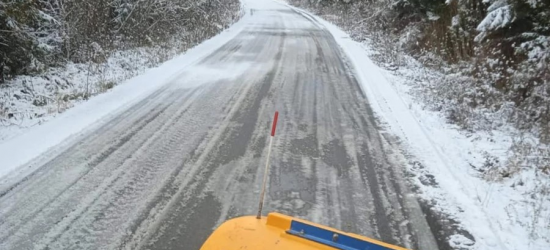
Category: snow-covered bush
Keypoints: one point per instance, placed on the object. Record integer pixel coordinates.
(54, 53)
(35, 34)
(19, 50)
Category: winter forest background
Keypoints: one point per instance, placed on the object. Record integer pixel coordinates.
(55, 53)
(37, 34)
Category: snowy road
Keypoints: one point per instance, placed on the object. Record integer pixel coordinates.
(165, 172)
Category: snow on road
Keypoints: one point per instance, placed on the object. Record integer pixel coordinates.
(497, 215)
(163, 158)
(170, 161)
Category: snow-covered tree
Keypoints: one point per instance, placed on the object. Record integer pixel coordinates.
(18, 47)
(38, 33)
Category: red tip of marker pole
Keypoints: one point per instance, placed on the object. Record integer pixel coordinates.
(274, 123)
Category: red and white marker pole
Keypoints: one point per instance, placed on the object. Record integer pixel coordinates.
(262, 194)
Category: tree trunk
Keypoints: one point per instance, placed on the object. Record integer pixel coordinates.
(2, 71)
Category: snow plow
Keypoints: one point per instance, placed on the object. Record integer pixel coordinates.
(278, 231)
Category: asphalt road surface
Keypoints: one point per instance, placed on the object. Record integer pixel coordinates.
(164, 173)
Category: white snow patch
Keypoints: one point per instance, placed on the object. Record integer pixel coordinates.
(498, 18)
(455, 22)
(432, 16)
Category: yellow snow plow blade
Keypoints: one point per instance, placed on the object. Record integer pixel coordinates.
(278, 231)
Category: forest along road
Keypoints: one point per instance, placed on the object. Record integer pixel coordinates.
(165, 172)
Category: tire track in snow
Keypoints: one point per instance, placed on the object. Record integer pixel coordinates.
(121, 191)
(33, 204)
(231, 145)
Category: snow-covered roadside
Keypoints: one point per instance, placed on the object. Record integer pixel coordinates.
(497, 215)
(29, 101)
(68, 126)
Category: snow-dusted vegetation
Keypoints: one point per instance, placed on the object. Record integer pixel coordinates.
(54, 53)
(495, 53)
(484, 65)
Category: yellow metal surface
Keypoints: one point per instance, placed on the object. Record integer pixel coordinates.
(269, 233)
